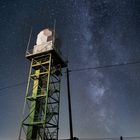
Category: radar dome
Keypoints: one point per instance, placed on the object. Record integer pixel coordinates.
(44, 36)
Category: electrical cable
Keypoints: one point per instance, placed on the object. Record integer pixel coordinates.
(11, 86)
(115, 138)
(106, 66)
(81, 69)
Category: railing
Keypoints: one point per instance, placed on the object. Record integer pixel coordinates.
(40, 48)
(43, 48)
(119, 138)
(123, 138)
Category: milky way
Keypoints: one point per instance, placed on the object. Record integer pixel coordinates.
(105, 102)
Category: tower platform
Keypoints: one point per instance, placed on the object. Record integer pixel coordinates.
(56, 54)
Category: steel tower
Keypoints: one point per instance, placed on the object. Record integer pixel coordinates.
(41, 107)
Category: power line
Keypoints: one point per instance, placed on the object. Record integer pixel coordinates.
(110, 138)
(81, 69)
(106, 66)
(11, 86)
(113, 138)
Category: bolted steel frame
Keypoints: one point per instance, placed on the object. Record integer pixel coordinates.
(41, 107)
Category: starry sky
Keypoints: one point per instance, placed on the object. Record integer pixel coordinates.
(105, 102)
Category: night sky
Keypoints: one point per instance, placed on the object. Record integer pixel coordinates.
(105, 102)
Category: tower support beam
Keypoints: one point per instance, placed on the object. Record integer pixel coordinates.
(41, 117)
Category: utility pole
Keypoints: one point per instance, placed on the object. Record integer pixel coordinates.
(69, 105)
(121, 138)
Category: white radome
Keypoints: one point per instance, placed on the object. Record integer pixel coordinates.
(43, 36)
(44, 41)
